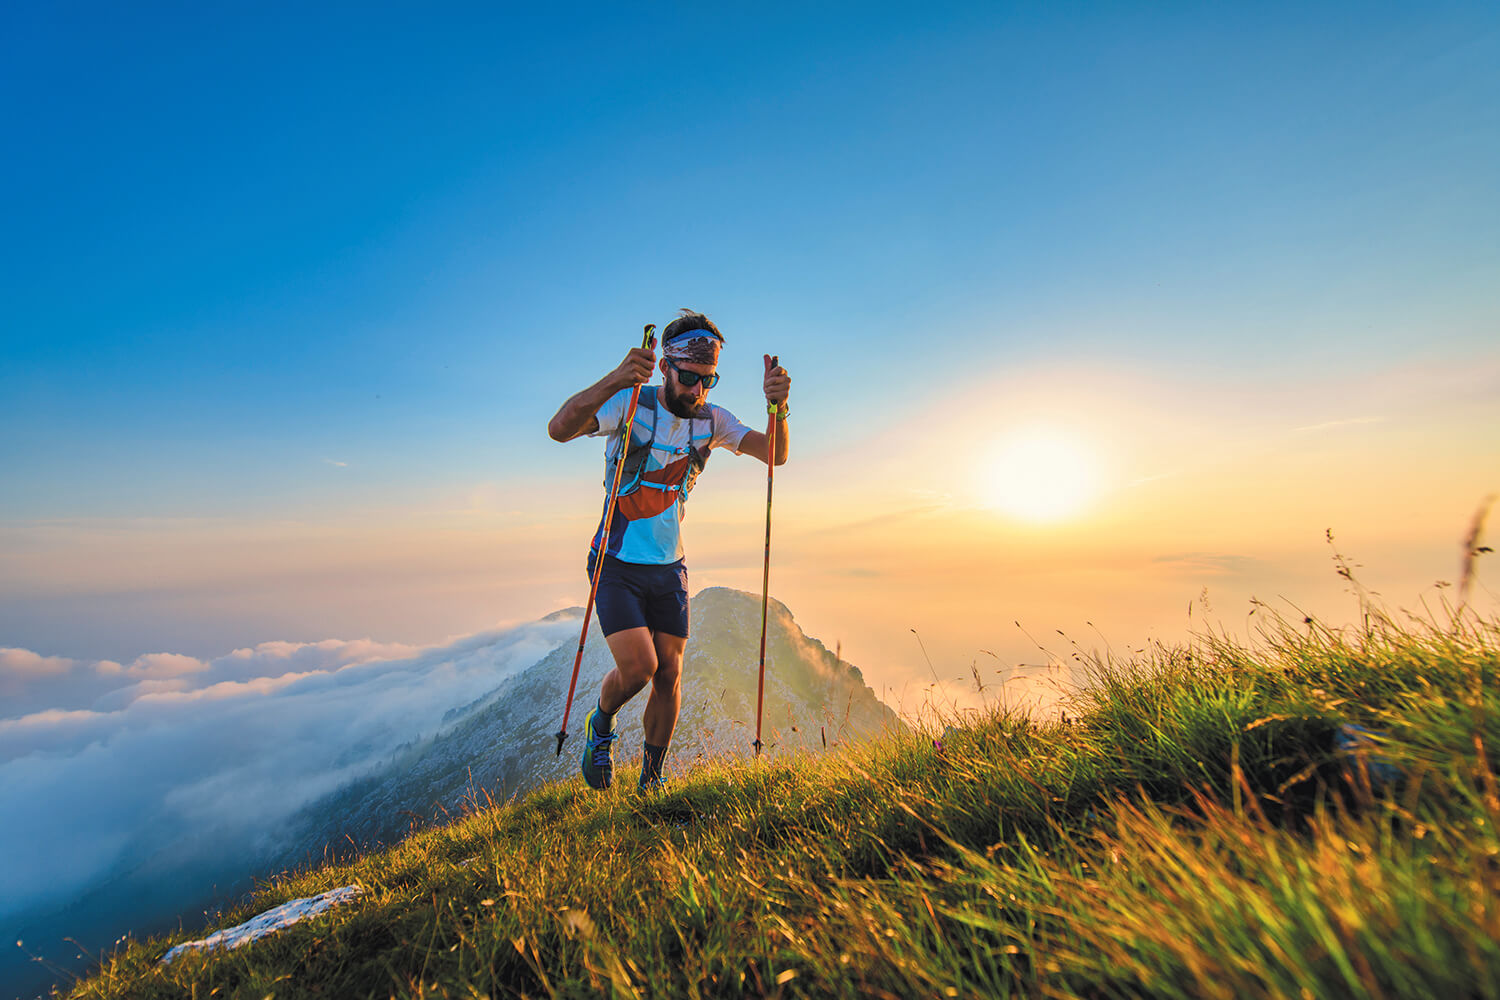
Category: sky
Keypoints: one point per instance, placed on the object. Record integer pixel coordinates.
(1108, 324)
(1099, 316)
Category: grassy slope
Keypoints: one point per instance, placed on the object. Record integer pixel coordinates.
(1194, 833)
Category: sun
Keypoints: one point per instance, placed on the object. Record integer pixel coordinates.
(1040, 474)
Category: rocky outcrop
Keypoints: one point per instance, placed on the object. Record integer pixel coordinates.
(504, 744)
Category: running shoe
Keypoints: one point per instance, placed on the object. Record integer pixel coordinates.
(652, 786)
(598, 755)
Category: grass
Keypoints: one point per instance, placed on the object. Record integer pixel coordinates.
(1194, 831)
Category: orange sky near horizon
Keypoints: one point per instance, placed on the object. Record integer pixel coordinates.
(876, 535)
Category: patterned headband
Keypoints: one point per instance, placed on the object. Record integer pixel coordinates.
(698, 347)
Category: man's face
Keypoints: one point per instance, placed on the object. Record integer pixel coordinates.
(684, 401)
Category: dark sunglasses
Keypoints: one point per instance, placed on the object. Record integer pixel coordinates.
(690, 379)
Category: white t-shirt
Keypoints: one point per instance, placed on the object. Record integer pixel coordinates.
(648, 519)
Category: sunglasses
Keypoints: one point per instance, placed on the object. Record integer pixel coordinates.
(690, 379)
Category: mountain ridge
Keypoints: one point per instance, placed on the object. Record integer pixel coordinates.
(504, 743)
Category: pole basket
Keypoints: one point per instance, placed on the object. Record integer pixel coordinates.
(562, 734)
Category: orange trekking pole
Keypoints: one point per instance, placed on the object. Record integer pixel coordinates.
(648, 340)
(765, 578)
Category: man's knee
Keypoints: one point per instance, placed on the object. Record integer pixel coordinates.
(635, 656)
(668, 672)
(639, 668)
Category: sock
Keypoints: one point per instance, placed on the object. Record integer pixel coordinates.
(604, 722)
(651, 766)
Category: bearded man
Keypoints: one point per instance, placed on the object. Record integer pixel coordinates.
(642, 599)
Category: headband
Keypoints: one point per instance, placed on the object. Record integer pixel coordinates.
(699, 347)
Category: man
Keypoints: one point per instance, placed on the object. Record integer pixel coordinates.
(642, 600)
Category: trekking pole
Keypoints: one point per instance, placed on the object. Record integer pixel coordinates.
(648, 340)
(765, 578)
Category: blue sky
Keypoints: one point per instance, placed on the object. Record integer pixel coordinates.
(1096, 314)
(270, 263)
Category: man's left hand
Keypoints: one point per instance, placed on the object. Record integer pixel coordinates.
(778, 384)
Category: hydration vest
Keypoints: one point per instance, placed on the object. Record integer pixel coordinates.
(669, 480)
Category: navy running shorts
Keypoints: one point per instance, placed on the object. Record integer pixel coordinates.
(638, 595)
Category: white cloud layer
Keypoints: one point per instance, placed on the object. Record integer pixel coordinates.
(103, 764)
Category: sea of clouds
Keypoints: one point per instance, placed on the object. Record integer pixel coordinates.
(103, 764)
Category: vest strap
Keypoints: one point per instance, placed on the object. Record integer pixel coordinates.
(638, 452)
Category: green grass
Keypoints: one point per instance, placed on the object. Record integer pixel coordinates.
(1193, 832)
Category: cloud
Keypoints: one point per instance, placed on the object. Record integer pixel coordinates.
(32, 682)
(882, 520)
(336, 463)
(1329, 425)
(23, 662)
(1205, 563)
(169, 752)
(155, 665)
(28, 679)
(21, 667)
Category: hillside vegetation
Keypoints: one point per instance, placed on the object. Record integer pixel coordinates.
(1199, 828)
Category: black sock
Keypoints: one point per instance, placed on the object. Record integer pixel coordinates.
(651, 766)
(604, 722)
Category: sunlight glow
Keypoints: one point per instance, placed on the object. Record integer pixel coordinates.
(1040, 474)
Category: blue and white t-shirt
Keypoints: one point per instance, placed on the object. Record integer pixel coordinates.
(647, 526)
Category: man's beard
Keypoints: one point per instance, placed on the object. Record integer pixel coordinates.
(678, 404)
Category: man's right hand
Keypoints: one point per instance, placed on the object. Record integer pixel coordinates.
(579, 415)
(636, 369)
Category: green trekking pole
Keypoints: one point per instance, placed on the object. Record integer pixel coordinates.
(648, 340)
(765, 577)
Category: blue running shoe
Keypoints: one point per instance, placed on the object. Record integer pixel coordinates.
(598, 755)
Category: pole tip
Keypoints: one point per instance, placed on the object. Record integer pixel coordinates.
(562, 734)
(756, 744)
